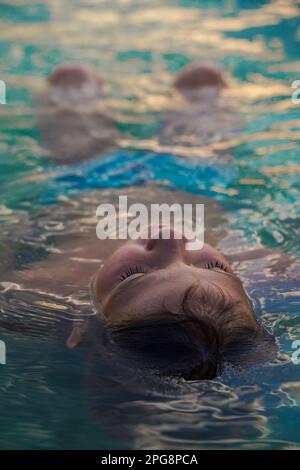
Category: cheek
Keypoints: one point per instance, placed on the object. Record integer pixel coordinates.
(205, 255)
(128, 256)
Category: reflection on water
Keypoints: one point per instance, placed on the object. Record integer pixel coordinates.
(55, 398)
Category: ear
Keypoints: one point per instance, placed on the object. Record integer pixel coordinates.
(77, 334)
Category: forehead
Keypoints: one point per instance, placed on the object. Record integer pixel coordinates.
(143, 295)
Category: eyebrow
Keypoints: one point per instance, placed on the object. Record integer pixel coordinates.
(126, 285)
(232, 275)
(221, 271)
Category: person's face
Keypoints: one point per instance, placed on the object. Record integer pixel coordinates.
(151, 276)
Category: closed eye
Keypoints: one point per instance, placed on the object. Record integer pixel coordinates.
(216, 264)
(131, 271)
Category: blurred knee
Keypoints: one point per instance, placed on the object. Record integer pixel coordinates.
(74, 75)
(196, 77)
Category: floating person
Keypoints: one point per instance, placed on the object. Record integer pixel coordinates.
(182, 312)
(148, 315)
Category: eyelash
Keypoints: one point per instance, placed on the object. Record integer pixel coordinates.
(132, 270)
(216, 264)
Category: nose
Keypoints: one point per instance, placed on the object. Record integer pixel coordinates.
(166, 244)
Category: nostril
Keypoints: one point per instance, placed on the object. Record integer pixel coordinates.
(151, 244)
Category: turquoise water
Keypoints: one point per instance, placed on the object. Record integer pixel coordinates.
(138, 48)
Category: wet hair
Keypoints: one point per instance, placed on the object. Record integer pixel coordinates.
(197, 343)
